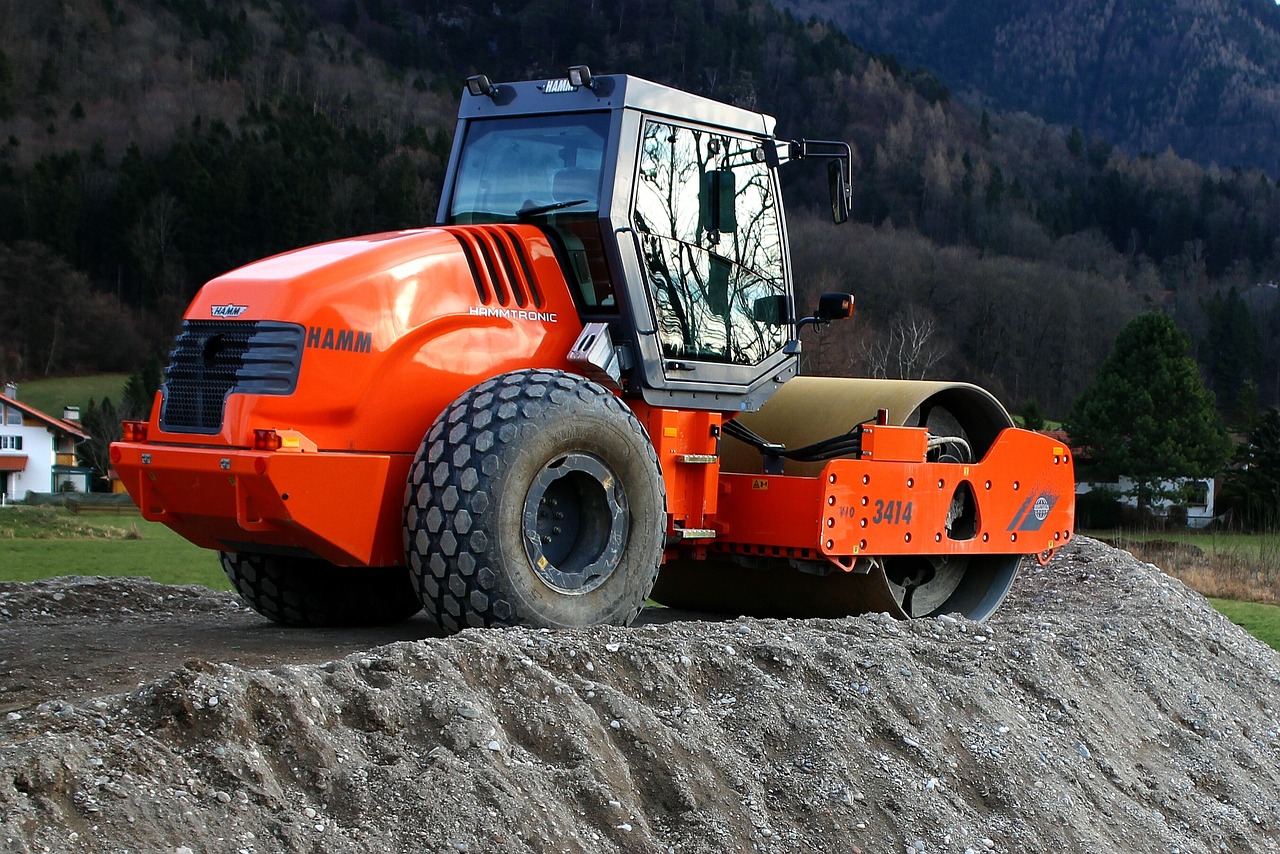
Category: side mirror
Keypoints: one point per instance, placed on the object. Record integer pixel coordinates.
(838, 185)
(715, 200)
(839, 171)
(831, 306)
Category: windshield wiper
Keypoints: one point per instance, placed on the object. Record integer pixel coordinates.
(525, 213)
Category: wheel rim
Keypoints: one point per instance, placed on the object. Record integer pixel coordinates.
(971, 585)
(575, 523)
(921, 584)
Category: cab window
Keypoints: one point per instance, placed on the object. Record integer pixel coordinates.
(706, 213)
(510, 165)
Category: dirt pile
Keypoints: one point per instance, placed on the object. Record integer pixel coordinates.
(1106, 708)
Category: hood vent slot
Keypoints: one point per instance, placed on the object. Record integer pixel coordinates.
(499, 265)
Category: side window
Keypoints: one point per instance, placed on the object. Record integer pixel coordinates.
(1196, 493)
(14, 415)
(706, 214)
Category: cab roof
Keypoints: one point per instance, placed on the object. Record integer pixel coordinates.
(610, 92)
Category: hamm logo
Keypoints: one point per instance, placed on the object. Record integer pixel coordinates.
(229, 310)
(328, 338)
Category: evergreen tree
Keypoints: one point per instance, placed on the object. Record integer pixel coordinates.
(1232, 351)
(1252, 488)
(102, 423)
(6, 83)
(140, 390)
(1032, 416)
(1148, 415)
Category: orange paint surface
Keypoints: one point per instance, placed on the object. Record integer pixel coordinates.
(877, 508)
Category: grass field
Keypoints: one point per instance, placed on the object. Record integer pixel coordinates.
(49, 396)
(1217, 543)
(39, 542)
(1261, 621)
(1244, 567)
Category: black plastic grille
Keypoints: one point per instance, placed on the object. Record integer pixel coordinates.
(213, 358)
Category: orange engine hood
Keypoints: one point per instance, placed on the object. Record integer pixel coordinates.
(391, 327)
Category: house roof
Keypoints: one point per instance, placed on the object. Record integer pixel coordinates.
(1057, 435)
(1082, 453)
(58, 424)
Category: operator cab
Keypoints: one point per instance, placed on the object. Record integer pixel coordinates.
(665, 210)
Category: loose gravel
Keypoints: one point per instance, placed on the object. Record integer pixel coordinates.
(1105, 708)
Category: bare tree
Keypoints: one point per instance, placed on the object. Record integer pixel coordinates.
(153, 240)
(910, 350)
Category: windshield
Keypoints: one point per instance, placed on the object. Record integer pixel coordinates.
(529, 165)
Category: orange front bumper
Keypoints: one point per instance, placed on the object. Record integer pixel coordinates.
(342, 507)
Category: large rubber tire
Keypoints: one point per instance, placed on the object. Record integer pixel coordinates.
(482, 537)
(300, 592)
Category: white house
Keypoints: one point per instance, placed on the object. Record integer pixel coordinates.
(1194, 493)
(38, 451)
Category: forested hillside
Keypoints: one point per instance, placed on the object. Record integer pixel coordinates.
(1197, 75)
(147, 145)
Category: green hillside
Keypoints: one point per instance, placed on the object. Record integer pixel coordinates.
(51, 395)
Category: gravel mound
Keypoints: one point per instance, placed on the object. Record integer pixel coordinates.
(1106, 708)
(90, 596)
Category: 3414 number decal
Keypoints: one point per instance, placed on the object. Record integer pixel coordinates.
(892, 513)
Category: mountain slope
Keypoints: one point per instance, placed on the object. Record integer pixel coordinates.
(1202, 76)
(153, 144)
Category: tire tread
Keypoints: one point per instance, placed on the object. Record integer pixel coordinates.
(448, 504)
(315, 593)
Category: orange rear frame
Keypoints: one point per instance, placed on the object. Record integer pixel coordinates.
(870, 507)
